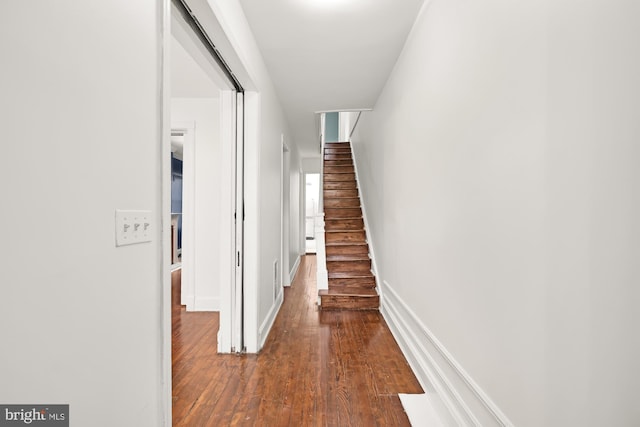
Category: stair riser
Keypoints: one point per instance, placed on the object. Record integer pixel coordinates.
(345, 237)
(339, 150)
(344, 224)
(343, 162)
(350, 192)
(337, 157)
(340, 185)
(352, 283)
(349, 266)
(332, 177)
(336, 213)
(348, 258)
(339, 169)
(347, 250)
(349, 302)
(342, 203)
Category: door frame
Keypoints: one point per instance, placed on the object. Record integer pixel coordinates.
(187, 291)
(237, 126)
(285, 213)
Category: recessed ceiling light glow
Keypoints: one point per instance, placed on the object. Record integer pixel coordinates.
(328, 4)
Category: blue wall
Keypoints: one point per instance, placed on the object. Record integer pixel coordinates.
(331, 123)
(176, 193)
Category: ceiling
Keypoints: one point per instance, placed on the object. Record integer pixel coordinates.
(328, 55)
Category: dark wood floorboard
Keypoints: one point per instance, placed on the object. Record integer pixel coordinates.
(317, 368)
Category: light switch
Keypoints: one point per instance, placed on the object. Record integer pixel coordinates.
(133, 227)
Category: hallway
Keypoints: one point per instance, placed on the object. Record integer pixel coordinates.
(316, 368)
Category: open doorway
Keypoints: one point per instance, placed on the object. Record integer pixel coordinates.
(312, 197)
(285, 198)
(177, 144)
(206, 155)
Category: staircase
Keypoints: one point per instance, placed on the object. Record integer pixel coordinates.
(352, 285)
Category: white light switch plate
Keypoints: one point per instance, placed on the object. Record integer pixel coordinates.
(133, 227)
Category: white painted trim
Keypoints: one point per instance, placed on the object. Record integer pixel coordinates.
(322, 275)
(285, 209)
(252, 197)
(164, 111)
(237, 292)
(459, 400)
(188, 212)
(420, 411)
(227, 229)
(349, 110)
(187, 38)
(294, 270)
(207, 304)
(267, 324)
(302, 202)
(374, 266)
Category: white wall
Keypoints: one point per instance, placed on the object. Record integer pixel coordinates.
(499, 172)
(347, 122)
(311, 164)
(79, 318)
(204, 114)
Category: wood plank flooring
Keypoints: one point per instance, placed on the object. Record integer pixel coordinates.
(317, 368)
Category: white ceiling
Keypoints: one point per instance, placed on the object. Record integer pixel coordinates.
(328, 54)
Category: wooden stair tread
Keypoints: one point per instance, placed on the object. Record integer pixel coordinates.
(341, 198)
(352, 283)
(348, 258)
(349, 275)
(344, 231)
(351, 289)
(359, 243)
(361, 293)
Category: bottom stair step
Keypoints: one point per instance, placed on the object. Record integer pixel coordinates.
(364, 299)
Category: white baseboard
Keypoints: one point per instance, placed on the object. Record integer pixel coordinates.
(459, 400)
(265, 328)
(294, 270)
(207, 304)
(187, 301)
(420, 411)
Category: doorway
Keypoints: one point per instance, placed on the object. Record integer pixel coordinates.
(312, 198)
(177, 143)
(206, 125)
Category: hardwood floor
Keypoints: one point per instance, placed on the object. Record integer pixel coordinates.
(317, 368)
